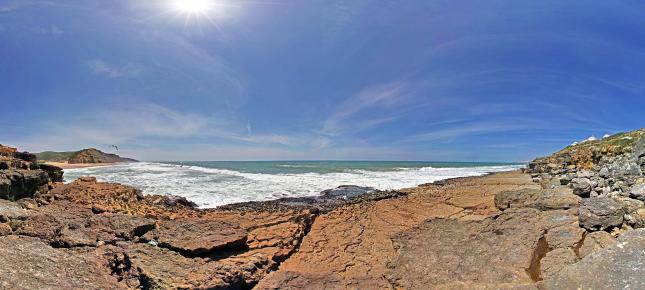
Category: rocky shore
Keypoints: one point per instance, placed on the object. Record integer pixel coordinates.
(573, 220)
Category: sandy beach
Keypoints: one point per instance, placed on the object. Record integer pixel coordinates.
(65, 165)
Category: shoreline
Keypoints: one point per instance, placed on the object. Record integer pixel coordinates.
(65, 165)
(531, 228)
(293, 185)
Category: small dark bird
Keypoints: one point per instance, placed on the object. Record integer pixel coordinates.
(115, 147)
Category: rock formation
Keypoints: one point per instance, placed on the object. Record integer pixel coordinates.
(568, 222)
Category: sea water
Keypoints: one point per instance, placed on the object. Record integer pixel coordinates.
(214, 183)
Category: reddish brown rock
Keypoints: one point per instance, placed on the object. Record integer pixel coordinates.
(594, 242)
(118, 198)
(555, 261)
(28, 263)
(158, 268)
(195, 237)
(67, 225)
(351, 246)
(491, 251)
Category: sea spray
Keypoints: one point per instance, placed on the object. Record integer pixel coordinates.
(210, 184)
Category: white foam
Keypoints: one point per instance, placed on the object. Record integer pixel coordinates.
(210, 187)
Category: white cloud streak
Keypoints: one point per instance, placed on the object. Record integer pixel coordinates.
(387, 96)
(101, 67)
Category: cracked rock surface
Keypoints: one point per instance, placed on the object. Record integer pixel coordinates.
(509, 230)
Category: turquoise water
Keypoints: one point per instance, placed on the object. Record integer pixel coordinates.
(213, 183)
(295, 167)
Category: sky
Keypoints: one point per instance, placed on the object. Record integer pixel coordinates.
(319, 80)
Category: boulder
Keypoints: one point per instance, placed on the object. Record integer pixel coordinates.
(629, 204)
(566, 179)
(581, 186)
(637, 191)
(515, 198)
(636, 219)
(193, 237)
(618, 266)
(600, 213)
(554, 200)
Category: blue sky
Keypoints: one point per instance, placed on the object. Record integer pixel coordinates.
(359, 79)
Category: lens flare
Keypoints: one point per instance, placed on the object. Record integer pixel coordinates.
(192, 7)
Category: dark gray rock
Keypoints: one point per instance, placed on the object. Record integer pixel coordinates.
(624, 167)
(636, 218)
(566, 179)
(347, 191)
(639, 148)
(18, 183)
(629, 204)
(618, 266)
(604, 172)
(581, 186)
(515, 198)
(638, 191)
(600, 213)
(55, 173)
(554, 200)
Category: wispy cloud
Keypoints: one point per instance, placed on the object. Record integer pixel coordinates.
(135, 123)
(8, 8)
(468, 129)
(384, 96)
(15, 5)
(52, 30)
(101, 67)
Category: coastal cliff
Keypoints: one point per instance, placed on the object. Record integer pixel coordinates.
(571, 220)
(85, 156)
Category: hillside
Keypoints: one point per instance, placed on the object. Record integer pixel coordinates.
(53, 156)
(589, 154)
(91, 155)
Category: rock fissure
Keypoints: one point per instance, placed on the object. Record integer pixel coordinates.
(540, 251)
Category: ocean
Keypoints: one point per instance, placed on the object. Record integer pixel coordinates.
(215, 183)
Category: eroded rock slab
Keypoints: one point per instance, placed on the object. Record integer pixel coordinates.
(28, 263)
(151, 267)
(619, 266)
(196, 237)
(442, 251)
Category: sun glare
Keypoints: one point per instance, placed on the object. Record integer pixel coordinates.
(192, 7)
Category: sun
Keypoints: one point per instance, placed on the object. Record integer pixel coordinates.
(193, 7)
